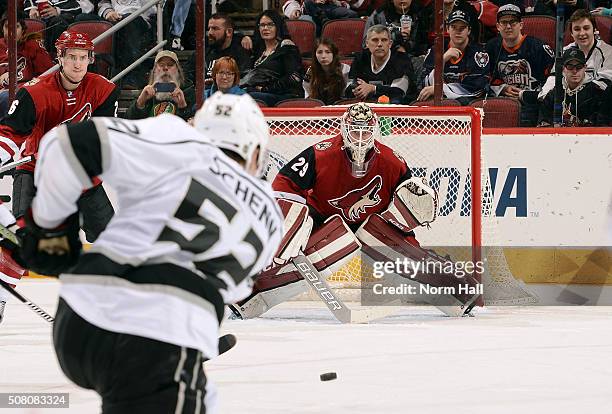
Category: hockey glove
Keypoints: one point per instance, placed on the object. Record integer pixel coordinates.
(50, 251)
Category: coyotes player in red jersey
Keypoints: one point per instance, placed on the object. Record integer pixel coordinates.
(67, 96)
(329, 182)
(355, 195)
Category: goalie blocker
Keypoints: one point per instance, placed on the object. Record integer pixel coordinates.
(333, 245)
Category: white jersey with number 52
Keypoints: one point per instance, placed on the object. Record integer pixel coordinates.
(180, 199)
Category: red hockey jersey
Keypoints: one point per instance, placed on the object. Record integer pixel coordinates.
(43, 104)
(320, 176)
(32, 60)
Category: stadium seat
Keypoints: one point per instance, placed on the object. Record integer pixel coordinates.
(347, 60)
(499, 112)
(604, 25)
(35, 26)
(541, 27)
(300, 103)
(105, 62)
(347, 34)
(261, 103)
(445, 102)
(303, 35)
(347, 101)
(306, 62)
(567, 36)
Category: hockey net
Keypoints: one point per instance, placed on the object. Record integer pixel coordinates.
(442, 144)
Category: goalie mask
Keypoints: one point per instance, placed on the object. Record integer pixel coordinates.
(359, 128)
(235, 123)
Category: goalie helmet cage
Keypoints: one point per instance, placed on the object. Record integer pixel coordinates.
(441, 144)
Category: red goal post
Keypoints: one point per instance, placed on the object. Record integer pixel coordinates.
(441, 144)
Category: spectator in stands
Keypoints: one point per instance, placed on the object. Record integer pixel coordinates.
(407, 38)
(226, 77)
(549, 7)
(598, 52)
(166, 92)
(57, 15)
(88, 11)
(365, 8)
(327, 77)
(132, 41)
(380, 71)
(32, 58)
(294, 9)
(518, 62)
(601, 10)
(323, 10)
(223, 40)
(277, 67)
(466, 65)
(177, 25)
(585, 102)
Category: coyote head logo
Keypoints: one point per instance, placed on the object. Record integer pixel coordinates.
(82, 115)
(355, 202)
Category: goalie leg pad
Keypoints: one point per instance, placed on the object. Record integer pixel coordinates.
(297, 228)
(332, 246)
(382, 242)
(329, 248)
(272, 287)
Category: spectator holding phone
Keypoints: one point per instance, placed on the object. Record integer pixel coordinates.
(166, 92)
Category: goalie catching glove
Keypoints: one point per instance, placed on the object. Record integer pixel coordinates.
(414, 204)
(49, 251)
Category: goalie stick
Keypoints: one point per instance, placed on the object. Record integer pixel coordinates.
(336, 306)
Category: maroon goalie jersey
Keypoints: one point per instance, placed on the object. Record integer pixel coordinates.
(43, 104)
(320, 176)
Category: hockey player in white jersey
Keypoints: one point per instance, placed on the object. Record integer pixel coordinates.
(140, 311)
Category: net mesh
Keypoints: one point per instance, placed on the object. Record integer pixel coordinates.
(436, 146)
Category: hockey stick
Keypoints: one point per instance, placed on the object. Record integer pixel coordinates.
(9, 235)
(336, 306)
(26, 301)
(14, 164)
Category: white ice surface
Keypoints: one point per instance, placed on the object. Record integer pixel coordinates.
(505, 360)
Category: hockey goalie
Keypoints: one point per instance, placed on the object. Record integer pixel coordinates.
(346, 196)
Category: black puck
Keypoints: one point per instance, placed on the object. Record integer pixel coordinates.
(328, 376)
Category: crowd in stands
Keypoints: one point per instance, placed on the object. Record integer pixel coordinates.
(487, 55)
